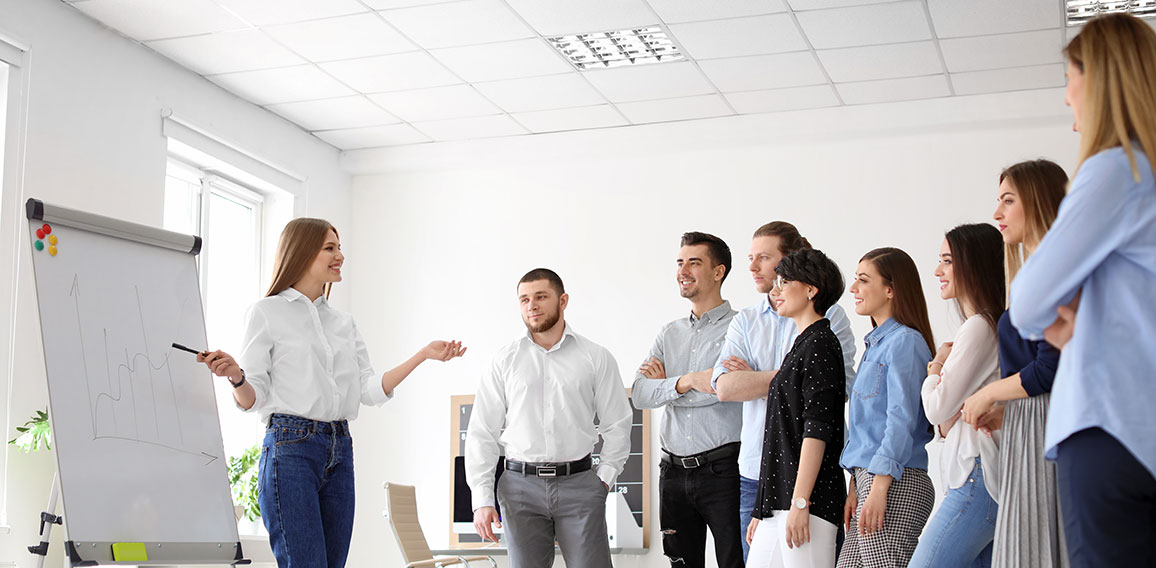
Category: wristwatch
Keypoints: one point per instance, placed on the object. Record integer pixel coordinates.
(238, 384)
(800, 503)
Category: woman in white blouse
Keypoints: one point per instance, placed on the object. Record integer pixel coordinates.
(971, 271)
(305, 369)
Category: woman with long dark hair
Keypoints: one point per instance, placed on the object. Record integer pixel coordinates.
(970, 271)
(305, 369)
(890, 494)
(1027, 531)
(1100, 258)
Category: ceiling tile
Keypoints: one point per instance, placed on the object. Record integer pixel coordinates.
(374, 136)
(284, 85)
(333, 114)
(953, 18)
(685, 108)
(399, 72)
(800, 5)
(764, 72)
(347, 37)
(273, 12)
(541, 93)
(459, 23)
(737, 37)
(865, 25)
(672, 11)
(508, 60)
(1000, 51)
(392, 4)
(798, 98)
(1017, 79)
(226, 52)
(439, 103)
(661, 81)
(145, 20)
(889, 90)
(564, 17)
(468, 128)
(602, 116)
(881, 62)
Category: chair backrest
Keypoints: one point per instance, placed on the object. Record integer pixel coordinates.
(401, 508)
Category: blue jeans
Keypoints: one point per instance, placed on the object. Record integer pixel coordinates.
(962, 530)
(306, 491)
(748, 492)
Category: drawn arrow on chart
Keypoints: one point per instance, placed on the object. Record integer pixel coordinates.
(211, 457)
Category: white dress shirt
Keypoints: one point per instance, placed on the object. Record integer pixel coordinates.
(547, 402)
(306, 359)
(972, 364)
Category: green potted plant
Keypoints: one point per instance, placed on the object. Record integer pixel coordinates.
(35, 434)
(243, 471)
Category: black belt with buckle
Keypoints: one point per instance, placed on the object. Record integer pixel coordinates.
(549, 469)
(699, 460)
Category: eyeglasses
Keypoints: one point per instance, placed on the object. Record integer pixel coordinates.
(780, 282)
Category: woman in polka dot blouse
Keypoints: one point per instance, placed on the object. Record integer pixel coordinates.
(801, 489)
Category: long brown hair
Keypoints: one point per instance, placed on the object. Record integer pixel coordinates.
(301, 241)
(977, 267)
(1117, 55)
(899, 272)
(1041, 186)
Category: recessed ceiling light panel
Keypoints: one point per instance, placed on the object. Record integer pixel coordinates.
(600, 50)
(1080, 11)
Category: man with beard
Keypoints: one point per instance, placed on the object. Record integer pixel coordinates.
(546, 389)
(756, 343)
(698, 483)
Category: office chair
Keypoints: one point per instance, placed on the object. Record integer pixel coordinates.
(401, 510)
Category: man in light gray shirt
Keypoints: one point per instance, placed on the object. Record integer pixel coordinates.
(546, 389)
(699, 472)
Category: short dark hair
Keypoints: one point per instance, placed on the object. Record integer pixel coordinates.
(789, 238)
(811, 266)
(720, 253)
(544, 274)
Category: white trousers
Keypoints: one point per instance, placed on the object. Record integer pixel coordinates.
(769, 547)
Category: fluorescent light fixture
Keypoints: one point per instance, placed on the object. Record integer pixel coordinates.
(1080, 11)
(599, 50)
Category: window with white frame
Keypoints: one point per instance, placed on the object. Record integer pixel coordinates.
(229, 218)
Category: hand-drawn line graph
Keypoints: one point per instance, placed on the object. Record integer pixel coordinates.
(126, 405)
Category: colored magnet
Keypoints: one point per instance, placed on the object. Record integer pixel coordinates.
(40, 233)
(47, 229)
(52, 239)
(51, 250)
(39, 245)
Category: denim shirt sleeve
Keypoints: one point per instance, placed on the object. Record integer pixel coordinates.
(735, 345)
(1089, 227)
(907, 359)
(1037, 376)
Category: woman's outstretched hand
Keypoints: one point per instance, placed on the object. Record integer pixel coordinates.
(443, 350)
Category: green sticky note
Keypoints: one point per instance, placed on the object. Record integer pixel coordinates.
(129, 552)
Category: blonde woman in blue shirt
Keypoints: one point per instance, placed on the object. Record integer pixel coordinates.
(305, 369)
(1100, 258)
(890, 495)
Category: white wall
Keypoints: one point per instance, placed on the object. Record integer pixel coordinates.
(94, 142)
(442, 232)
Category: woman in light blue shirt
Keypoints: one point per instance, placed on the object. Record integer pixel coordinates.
(890, 495)
(1099, 259)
